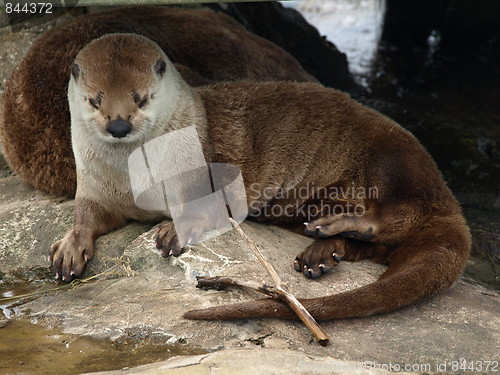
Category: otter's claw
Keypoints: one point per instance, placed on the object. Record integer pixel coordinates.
(318, 258)
(167, 240)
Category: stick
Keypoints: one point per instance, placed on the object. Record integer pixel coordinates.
(283, 294)
(219, 282)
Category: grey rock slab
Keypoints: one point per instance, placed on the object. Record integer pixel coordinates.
(15, 44)
(4, 167)
(31, 221)
(461, 323)
(252, 361)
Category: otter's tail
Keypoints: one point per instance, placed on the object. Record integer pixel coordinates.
(427, 263)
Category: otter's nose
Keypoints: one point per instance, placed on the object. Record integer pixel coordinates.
(119, 128)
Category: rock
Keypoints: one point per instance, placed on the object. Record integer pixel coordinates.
(412, 19)
(15, 44)
(255, 361)
(29, 211)
(485, 233)
(460, 323)
(484, 262)
(461, 24)
(288, 29)
(4, 167)
(3, 321)
(467, 24)
(41, 220)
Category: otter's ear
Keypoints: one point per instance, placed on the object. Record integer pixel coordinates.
(160, 67)
(75, 71)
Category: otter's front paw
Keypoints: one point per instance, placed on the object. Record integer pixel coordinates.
(69, 255)
(167, 240)
(171, 242)
(320, 257)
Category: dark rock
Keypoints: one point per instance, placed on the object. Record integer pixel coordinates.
(471, 23)
(288, 29)
(485, 228)
(4, 168)
(460, 23)
(484, 262)
(486, 244)
(412, 19)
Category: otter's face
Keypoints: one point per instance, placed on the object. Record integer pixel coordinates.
(114, 87)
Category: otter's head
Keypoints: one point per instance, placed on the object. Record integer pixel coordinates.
(120, 85)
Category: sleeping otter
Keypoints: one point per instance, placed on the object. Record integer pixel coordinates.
(205, 46)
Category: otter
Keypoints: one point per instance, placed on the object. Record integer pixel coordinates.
(124, 92)
(205, 45)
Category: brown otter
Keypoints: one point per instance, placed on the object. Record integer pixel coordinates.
(283, 136)
(207, 47)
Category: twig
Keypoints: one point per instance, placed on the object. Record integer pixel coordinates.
(122, 262)
(283, 294)
(219, 282)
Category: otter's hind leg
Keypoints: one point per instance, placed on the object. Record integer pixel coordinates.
(426, 263)
(323, 254)
(340, 237)
(363, 228)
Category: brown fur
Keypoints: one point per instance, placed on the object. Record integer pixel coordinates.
(288, 135)
(207, 46)
(420, 231)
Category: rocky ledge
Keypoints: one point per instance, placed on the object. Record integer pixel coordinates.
(150, 294)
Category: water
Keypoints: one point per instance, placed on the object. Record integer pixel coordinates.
(31, 348)
(354, 26)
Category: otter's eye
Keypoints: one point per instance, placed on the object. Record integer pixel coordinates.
(143, 102)
(94, 103)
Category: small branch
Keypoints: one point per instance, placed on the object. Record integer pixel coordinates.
(281, 292)
(270, 269)
(122, 262)
(220, 282)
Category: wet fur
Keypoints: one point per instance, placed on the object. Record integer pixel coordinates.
(35, 128)
(284, 134)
